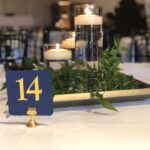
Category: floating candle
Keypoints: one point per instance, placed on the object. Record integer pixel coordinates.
(57, 54)
(88, 19)
(69, 42)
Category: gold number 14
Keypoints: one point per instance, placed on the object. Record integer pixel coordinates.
(36, 90)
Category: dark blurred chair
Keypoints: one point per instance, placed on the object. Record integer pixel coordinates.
(143, 45)
(13, 48)
(136, 47)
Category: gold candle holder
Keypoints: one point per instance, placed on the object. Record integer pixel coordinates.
(32, 122)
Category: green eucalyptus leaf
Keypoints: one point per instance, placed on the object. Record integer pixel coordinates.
(108, 105)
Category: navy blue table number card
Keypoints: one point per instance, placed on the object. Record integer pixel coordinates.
(29, 89)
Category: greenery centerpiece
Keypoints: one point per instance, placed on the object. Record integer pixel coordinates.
(80, 77)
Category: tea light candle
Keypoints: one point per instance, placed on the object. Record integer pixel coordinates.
(69, 42)
(88, 18)
(57, 54)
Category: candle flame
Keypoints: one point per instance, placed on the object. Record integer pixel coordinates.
(88, 10)
(57, 46)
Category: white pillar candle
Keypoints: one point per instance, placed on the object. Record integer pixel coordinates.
(57, 54)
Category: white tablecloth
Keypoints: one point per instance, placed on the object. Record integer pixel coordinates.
(140, 71)
(80, 128)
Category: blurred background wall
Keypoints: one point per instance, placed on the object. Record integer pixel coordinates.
(40, 9)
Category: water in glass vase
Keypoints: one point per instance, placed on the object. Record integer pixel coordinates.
(89, 39)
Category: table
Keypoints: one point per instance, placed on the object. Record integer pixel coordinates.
(80, 128)
(140, 71)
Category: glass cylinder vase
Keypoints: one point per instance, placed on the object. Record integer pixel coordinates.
(89, 34)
